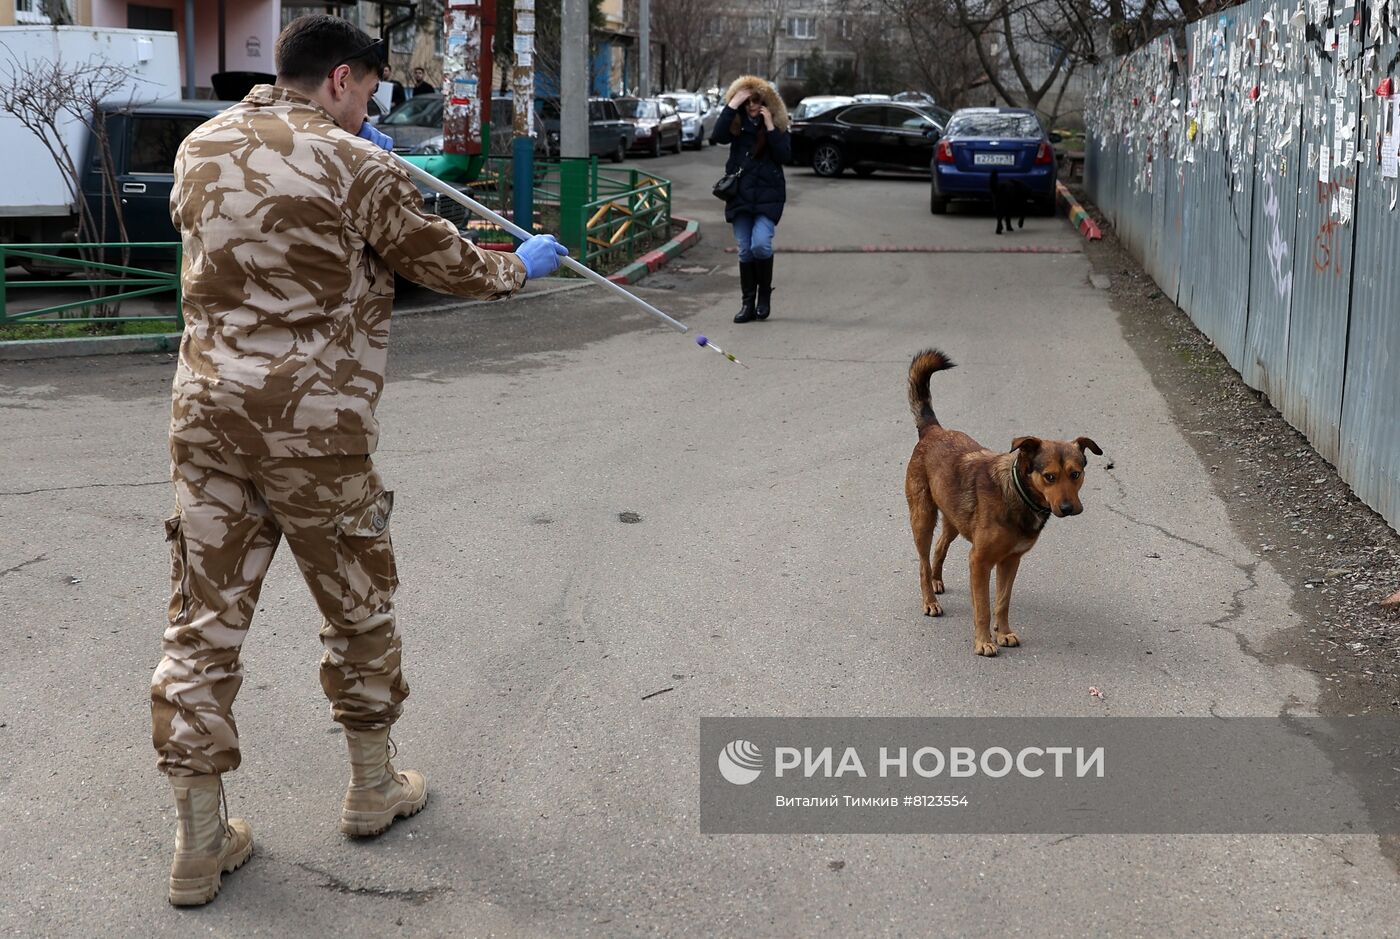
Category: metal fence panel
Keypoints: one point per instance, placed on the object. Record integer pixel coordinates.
(1317, 328)
(1277, 168)
(1213, 283)
(1234, 175)
(1223, 197)
(1202, 173)
(1096, 168)
(1155, 235)
(1369, 457)
(1170, 248)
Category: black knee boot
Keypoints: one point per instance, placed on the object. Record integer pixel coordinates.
(763, 270)
(746, 285)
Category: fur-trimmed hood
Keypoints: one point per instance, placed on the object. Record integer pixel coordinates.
(766, 93)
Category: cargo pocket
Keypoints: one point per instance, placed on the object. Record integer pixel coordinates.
(179, 610)
(367, 572)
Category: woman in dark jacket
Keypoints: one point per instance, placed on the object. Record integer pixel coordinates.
(754, 123)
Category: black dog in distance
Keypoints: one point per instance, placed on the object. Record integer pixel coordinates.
(1009, 197)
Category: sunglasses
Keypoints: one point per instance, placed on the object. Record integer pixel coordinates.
(377, 47)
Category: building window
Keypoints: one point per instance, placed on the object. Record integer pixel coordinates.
(291, 9)
(843, 27)
(758, 26)
(795, 68)
(757, 65)
(802, 27)
(139, 16)
(30, 11)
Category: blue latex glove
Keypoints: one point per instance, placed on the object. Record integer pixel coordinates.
(370, 133)
(541, 255)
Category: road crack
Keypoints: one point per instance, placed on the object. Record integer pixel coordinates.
(416, 896)
(1162, 531)
(1236, 610)
(30, 492)
(24, 564)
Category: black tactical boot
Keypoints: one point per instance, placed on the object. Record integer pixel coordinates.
(746, 285)
(763, 269)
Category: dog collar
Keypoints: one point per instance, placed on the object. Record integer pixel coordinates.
(1021, 491)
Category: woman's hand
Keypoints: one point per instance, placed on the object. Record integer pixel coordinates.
(738, 100)
(767, 116)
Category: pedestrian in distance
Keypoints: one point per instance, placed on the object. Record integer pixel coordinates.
(754, 123)
(397, 96)
(293, 220)
(420, 83)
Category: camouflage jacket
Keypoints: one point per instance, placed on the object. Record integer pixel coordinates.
(292, 229)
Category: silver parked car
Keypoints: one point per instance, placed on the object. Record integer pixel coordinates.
(812, 105)
(697, 117)
(417, 120)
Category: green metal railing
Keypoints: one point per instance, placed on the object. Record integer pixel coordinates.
(625, 223)
(132, 282)
(608, 217)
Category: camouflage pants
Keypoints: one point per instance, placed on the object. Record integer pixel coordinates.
(231, 513)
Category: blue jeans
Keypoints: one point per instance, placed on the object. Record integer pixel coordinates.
(754, 233)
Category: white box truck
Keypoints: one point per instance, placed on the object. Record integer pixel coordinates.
(35, 202)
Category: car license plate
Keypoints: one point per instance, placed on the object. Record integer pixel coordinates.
(994, 159)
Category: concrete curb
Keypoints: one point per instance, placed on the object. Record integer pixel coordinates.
(21, 350)
(655, 260)
(1077, 216)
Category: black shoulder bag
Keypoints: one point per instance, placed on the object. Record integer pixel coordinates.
(728, 186)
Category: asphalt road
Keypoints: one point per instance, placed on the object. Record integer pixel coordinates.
(771, 573)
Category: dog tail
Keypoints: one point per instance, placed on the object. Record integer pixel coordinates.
(923, 366)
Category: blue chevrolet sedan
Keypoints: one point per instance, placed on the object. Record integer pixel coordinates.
(980, 140)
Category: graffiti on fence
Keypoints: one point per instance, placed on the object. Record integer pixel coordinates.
(1280, 268)
(1327, 253)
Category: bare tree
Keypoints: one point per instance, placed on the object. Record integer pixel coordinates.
(48, 97)
(774, 15)
(696, 38)
(547, 37)
(1027, 47)
(923, 37)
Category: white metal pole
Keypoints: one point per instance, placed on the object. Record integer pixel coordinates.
(456, 195)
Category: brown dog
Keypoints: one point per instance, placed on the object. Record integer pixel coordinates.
(997, 501)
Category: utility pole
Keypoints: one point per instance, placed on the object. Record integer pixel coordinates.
(523, 95)
(644, 50)
(573, 79)
(190, 85)
(467, 29)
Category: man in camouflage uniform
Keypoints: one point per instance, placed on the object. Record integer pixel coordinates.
(293, 227)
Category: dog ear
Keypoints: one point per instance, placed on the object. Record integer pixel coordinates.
(1084, 443)
(1026, 444)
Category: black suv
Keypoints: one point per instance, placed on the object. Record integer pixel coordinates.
(608, 134)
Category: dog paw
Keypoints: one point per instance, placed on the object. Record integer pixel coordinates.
(1008, 639)
(988, 649)
(938, 585)
(933, 609)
